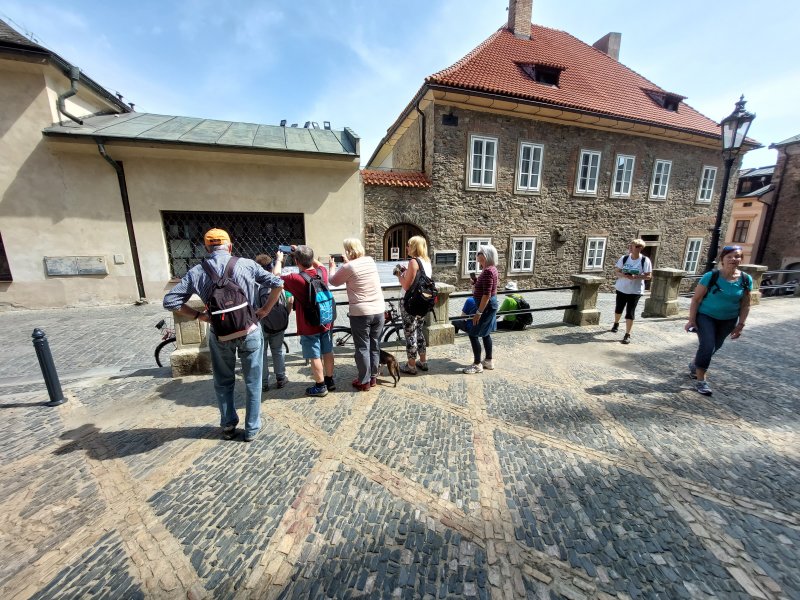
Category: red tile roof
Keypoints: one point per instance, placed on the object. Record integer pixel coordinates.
(590, 81)
(410, 179)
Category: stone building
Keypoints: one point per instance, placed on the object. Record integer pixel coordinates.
(781, 241)
(552, 150)
(100, 204)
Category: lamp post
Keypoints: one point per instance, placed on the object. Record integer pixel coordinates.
(734, 130)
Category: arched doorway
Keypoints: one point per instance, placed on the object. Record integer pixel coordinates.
(396, 238)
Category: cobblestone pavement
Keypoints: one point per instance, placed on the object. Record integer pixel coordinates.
(578, 468)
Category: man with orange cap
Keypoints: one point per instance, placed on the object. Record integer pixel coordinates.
(248, 343)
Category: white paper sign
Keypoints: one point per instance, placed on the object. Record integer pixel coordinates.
(394, 254)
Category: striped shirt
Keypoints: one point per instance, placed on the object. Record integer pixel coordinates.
(247, 274)
(486, 285)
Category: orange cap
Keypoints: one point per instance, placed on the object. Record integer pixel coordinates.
(216, 237)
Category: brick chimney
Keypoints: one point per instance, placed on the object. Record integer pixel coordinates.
(519, 18)
(609, 44)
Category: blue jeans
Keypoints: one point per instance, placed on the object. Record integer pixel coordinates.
(367, 339)
(223, 363)
(275, 343)
(711, 333)
(482, 331)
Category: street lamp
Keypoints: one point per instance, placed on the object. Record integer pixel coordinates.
(734, 131)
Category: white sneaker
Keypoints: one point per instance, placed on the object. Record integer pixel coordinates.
(472, 369)
(488, 364)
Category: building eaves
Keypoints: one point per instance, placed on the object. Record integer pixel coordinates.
(392, 178)
(792, 140)
(759, 192)
(191, 131)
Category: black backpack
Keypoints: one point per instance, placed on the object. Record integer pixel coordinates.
(277, 319)
(524, 319)
(228, 306)
(642, 257)
(320, 308)
(713, 282)
(421, 297)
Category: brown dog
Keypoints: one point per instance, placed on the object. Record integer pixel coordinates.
(391, 365)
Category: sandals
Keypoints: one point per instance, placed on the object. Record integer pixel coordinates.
(407, 370)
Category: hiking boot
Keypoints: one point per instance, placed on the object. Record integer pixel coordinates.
(488, 364)
(330, 384)
(692, 370)
(422, 366)
(318, 389)
(407, 370)
(615, 328)
(626, 339)
(702, 387)
(229, 432)
(279, 383)
(474, 368)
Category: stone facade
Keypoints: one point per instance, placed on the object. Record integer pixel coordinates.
(449, 211)
(782, 250)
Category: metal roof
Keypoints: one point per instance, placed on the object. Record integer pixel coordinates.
(792, 140)
(147, 127)
(759, 172)
(759, 192)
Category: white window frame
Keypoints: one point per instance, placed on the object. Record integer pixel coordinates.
(707, 181)
(588, 189)
(659, 169)
(483, 171)
(688, 259)
(627, 169)
(471, 256)
(596, 263)
(527, 244)
(534, 169)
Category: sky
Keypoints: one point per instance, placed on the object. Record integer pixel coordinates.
(357, 63)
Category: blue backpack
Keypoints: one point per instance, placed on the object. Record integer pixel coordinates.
(321, 307)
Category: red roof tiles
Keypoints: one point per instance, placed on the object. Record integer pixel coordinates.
(590, 81)
(410, 179)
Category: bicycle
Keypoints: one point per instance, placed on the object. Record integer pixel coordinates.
(393, 331)
(168, 344)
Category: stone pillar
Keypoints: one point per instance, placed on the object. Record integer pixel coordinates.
(585, 297)
(439, 331)
(192, 356)
(757, 273)
(663, 300)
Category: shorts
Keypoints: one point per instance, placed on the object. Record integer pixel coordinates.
(314, 346)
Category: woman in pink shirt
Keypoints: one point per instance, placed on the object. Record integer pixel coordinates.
(360, 274)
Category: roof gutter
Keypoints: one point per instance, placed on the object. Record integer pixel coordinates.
(74, 75)
(126, 208)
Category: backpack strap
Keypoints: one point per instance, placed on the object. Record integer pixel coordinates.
(210, 272)
(228, 272)
(625, 259)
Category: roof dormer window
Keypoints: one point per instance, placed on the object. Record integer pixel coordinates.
(666, 100)
(544, 74)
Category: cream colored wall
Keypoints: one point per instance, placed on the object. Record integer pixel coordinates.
(51, 205)
(753, 213)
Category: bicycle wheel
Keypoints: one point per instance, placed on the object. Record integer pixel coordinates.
(164, 350)
(394, 336)
(341, 335)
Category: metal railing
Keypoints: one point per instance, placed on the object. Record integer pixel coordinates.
(525, 310)
(787, 287)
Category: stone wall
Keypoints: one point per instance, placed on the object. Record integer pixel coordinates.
(783, 246)
(448, 211)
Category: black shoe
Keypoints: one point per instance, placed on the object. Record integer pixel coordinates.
(280, 383)
(330, 383)
(626, 339)
(229, 432)
(615, 328)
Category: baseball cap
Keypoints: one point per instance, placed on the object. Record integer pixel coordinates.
(216, 237)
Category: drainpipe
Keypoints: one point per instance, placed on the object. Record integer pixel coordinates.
(126, 207)
(422, 134)
(74, 74)
(767, 231)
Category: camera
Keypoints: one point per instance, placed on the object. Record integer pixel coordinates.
(398, 269)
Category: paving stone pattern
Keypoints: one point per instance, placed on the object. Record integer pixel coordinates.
(100, 573)
(578, 468)
(369, 543)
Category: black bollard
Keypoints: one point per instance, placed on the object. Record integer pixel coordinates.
(48, 368)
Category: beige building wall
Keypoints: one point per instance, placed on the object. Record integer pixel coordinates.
(61, 198)
(755, 214)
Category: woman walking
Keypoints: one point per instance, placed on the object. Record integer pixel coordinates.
(484, 320)
(417, 250)
(719, 308)
(365, 296)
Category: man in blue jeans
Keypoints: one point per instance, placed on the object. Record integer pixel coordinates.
(248, 275)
